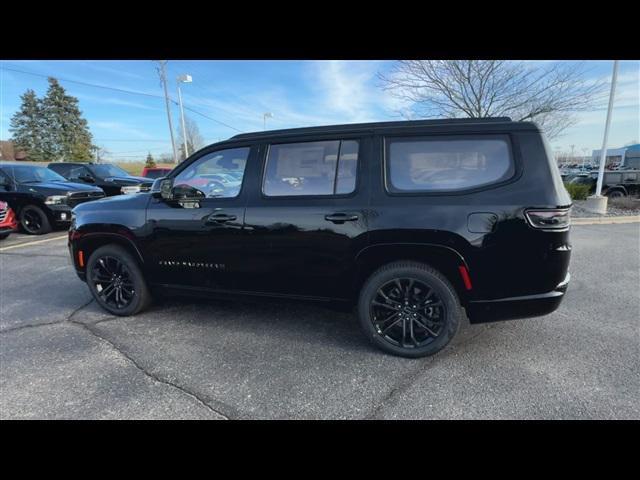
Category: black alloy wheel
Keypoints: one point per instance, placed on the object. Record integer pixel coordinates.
(407, 313)
(116, 282)
(112, 280)
(34, 221)
(409, 309)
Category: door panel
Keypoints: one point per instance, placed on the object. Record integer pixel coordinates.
(203, 246)
(306, 245)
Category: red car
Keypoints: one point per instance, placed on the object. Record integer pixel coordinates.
(8, 222)
(155, 172)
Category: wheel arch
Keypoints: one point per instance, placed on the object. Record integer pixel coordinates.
(91, 241)
(443, 258)
(617, 188)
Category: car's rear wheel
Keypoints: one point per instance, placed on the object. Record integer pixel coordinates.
(409, 309)
(116, 281)
(615, 194)
(34, 221)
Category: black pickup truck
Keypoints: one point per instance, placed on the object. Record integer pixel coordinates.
(110, 178)
(619, 183)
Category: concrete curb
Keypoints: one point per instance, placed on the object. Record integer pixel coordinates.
(605, 220)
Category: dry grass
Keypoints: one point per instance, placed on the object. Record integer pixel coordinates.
(625, 203)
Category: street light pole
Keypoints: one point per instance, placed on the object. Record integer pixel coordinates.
(603, 153)
(264, 118)
(183, 79)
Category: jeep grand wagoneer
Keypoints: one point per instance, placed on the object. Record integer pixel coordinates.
(413, 223)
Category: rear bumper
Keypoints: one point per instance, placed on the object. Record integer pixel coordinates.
(517, 307)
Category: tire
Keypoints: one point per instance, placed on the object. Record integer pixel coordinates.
(102, 264)
(34, 221)
(429, 287)
(4, 235)
(615, 194)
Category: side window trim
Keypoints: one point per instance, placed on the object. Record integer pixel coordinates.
(512, 148)
(265, 160)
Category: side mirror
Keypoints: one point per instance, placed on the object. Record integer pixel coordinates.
(87, 178)
(162, 188)
(186, 192)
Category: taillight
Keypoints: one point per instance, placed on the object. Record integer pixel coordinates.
(552, 219)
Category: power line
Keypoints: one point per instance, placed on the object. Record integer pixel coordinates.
(212, 119)
(131, 92)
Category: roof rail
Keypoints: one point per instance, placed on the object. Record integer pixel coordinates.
(373, 125)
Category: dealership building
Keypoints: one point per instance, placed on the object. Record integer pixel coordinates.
(628, 156)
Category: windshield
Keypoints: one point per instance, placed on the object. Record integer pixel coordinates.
(32, 174)
(104, 170)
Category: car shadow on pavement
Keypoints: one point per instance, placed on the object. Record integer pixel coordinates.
(282, 320)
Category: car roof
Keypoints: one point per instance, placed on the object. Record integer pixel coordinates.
(71, 163)
(454, 123)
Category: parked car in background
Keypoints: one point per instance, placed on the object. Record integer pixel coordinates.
(8, 222)
(40, 198)
(155, 172)
(110, 178)
(618, 183)
(415, 223)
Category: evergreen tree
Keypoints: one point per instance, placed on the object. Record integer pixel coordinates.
(26, 127)
(66, 135)
(150, 162)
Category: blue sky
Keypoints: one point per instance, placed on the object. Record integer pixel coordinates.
(237, 93)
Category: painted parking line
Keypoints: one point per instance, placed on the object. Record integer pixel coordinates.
(36, 242)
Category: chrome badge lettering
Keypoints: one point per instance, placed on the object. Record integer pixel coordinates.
(190, 264)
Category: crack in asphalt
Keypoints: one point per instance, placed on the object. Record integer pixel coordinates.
(88, 327)
(409, 379)
(36, 325)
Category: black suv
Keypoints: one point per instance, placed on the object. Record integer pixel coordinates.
(411, 222)
(40, 198)
(110, 178)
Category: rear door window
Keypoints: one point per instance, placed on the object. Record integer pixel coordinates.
(439, 164)
(311, 168)
(76, 172)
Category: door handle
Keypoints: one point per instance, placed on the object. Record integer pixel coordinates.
(341, 217)
(220, 218)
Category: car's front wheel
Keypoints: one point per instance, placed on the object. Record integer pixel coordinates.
(116, 281)
(409, 309)
(34, 221)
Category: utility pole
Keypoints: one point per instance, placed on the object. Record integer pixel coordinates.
(183, 79)
(163, 79)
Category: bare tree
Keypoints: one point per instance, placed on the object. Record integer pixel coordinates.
(194, 139)
(550, 94)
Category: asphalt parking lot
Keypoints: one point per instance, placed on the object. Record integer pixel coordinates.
(61, 356)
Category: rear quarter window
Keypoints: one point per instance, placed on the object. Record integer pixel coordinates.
(445, 164)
